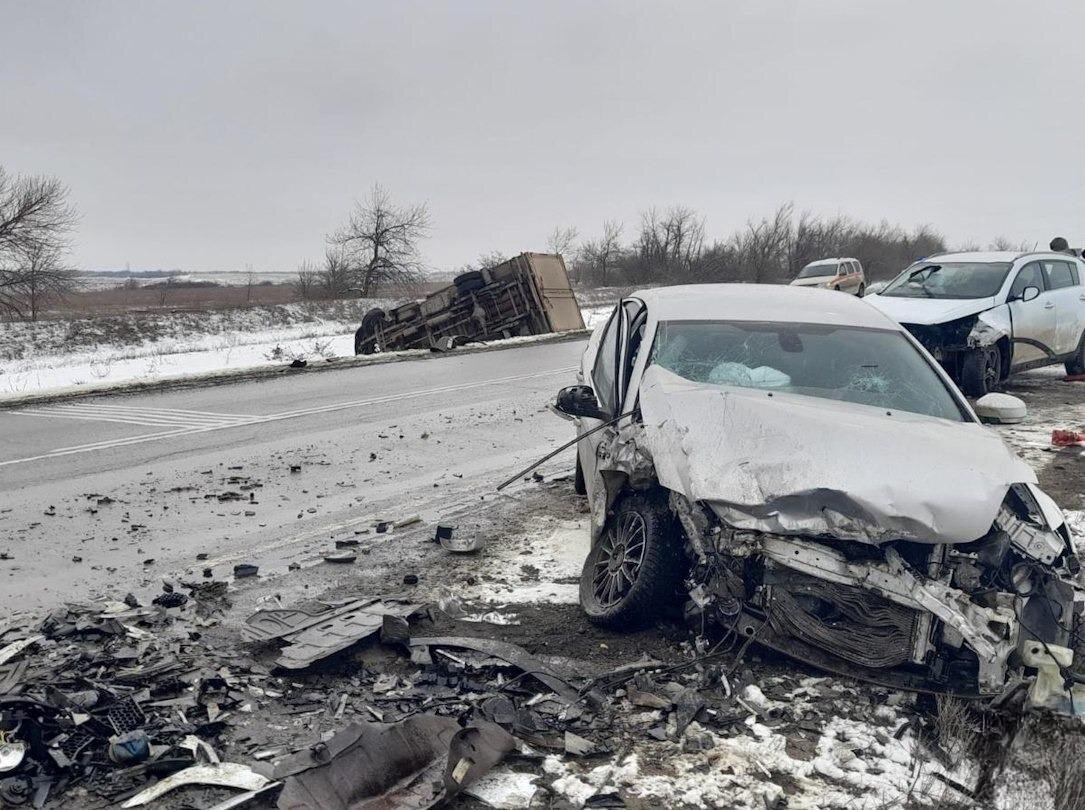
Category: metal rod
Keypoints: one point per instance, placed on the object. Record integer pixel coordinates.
(565, 446)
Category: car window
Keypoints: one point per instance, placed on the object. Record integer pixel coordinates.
(813, 270)
(606, 364)
(1058, 275)
(1028, 276)
(878, 367)
(637, 318)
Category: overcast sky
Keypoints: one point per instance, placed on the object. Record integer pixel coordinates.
(211, 135)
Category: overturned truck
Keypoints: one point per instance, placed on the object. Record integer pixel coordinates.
(526, 295)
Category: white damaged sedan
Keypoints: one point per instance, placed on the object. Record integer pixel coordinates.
(801, 471)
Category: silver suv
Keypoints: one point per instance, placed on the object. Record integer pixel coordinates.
(845, 275)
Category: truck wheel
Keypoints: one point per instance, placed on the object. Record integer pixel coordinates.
(862, 290)
(579, 486)
(365, 339)
(981, 371)
(1076, 364)
(469, 282)
(635, 570)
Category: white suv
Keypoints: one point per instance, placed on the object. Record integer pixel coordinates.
(985, 315)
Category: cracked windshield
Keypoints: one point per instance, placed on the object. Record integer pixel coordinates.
(866, 366)
(949, 280)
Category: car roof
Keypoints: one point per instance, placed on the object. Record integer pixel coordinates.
(761, 302)
(832, 261)
(995, 256)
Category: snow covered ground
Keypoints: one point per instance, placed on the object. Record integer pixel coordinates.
(196, 346)
(170, 357)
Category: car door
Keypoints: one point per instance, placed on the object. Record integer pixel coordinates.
(840, 277)
(1065, 291)
(1034, 322)
(601, 373)
(856, 277)
(611, 373)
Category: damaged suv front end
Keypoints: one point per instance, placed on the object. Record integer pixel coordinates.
(870, 526)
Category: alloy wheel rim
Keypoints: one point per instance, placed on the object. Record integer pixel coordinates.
(620, 559)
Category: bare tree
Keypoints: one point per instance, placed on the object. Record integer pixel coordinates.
(39, 276)
(336, 278)
(599, 258)
(34, 211)
(484, 262)
(307, 284)
(562, 241)
(381, 241)
(669, 242)
(1002, 243)
(35, 219)
(765, 245)
(250, 282)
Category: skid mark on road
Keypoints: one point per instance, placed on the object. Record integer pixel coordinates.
(187, 423)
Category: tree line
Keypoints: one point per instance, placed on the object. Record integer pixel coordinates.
(379, 247)
(671, 246)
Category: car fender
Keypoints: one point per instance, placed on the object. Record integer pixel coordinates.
(991, 326)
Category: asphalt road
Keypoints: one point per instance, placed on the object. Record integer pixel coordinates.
(108, 493)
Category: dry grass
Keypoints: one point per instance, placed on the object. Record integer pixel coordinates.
(193, 298)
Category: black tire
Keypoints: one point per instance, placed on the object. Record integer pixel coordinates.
(644, 583)
(365, 341)
(981, 371)
(1076, 365)
(862, 290)
(469, 282)
(579, 487)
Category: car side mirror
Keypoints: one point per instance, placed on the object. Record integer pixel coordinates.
(1027, 294)
(578, 401)
(1000, 409)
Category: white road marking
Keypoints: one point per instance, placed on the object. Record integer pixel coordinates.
(205, 421)
(139, 416)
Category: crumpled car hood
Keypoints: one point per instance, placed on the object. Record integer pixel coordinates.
(926, 311)
(791, 464)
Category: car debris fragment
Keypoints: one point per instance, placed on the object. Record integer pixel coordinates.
(222, 774)
(415, 763)
(1067, 438)
(458, 542)
(314, 634)
(517, 656)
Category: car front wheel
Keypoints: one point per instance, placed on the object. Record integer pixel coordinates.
(981, 371)
(634, 572)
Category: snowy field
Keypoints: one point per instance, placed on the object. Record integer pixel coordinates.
(213, 343)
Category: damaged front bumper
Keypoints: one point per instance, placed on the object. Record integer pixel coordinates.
(992, 618)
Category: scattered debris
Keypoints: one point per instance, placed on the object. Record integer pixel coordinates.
(242, 570)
